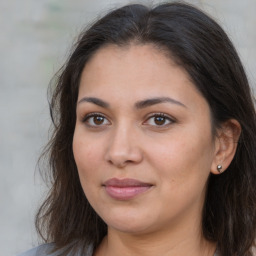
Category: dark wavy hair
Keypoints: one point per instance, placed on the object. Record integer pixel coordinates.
(198, 44)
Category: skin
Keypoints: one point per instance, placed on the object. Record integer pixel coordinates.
(175, 155)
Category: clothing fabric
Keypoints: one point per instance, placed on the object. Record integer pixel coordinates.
(45, 250)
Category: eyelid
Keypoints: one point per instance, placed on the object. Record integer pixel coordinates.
(93, 114)
(86, 117)
(168, 117)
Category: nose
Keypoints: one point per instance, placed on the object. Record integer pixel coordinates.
(123, 148)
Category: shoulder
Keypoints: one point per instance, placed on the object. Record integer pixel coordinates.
(41, 250)
(47, 250)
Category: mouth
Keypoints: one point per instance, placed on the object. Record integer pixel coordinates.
(125, 189)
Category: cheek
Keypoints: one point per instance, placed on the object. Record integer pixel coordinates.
(183, 170)
(86, 154)
(184, 159)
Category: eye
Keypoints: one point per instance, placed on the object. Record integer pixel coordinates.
(159, 119)
(95, 119)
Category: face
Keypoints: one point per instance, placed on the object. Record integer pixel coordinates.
(143, 143)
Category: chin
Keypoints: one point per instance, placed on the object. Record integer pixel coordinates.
(129, 222)
(130, 228)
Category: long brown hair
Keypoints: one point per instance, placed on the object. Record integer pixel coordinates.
(198, 44)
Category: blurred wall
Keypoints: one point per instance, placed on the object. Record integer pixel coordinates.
(35, 38)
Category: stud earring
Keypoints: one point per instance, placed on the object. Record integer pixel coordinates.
(219, 167)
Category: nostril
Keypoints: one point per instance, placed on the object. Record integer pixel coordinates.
(122, 150)
(121, 161)
(119, 164)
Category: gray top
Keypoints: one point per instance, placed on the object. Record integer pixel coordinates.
(44, 250)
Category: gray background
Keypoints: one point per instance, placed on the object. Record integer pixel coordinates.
(34, 41)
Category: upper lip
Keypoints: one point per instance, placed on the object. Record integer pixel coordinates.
(115, 182)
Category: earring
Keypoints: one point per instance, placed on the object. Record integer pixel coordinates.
(219, 167)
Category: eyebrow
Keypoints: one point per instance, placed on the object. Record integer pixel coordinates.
(138, 105)
(95, 101)
(153, 101)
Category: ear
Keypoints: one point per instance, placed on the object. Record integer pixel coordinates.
(225, 145)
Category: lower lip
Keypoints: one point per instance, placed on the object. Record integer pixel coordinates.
(125, 193)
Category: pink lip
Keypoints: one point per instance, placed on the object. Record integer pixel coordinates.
(125, 189)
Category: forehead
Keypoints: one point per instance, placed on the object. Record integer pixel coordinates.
(127, 52)
(122, 76)
(131, 65)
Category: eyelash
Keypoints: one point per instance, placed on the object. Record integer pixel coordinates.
(93, 115)
(86, 119)
(161, 115)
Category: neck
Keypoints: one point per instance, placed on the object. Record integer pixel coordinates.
(157, 243)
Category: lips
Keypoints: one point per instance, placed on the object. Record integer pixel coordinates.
(125, 189)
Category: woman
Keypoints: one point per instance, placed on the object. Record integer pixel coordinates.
(153, 151)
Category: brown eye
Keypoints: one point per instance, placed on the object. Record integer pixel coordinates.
(94, 120)
(98, 120)
(159, 120)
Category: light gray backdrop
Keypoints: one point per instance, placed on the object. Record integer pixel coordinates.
(34, 40)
